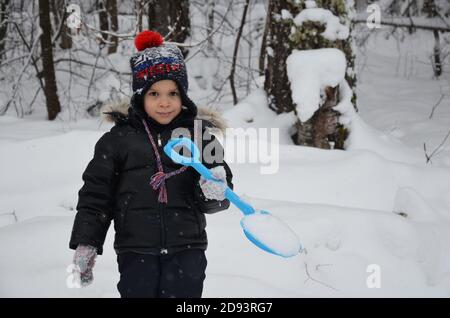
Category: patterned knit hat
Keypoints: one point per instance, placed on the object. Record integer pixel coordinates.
(156, 61)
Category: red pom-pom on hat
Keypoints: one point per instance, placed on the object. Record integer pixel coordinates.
(147, 39)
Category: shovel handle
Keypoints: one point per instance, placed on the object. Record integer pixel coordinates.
(194, 162)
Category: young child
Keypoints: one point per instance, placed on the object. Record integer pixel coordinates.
(157, 205)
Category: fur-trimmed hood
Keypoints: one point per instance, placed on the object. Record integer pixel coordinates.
(117, 111)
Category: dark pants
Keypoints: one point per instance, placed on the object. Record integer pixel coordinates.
(178, 275)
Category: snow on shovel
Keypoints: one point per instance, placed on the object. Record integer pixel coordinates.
(261, 228)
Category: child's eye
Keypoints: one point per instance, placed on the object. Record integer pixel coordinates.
(153, 94)
(174, 93)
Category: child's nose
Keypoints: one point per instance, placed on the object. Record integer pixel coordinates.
(164, 102)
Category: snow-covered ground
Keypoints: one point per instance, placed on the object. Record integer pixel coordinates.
(373, 216)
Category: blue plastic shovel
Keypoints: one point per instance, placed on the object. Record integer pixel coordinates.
(261, 228)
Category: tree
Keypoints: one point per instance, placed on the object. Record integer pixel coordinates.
(58, 8)
(108, 20)
(139, 4)
(236, 48)
(413, 15)
(279, 47)
(171, 19)
(431, 10)
(4, 4)
(111, 7)
(48, 72)
(103, 20)
(284, 36)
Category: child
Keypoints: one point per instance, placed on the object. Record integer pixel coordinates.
(157, 205)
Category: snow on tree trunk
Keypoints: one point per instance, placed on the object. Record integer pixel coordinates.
(309, 25)
(50, 88)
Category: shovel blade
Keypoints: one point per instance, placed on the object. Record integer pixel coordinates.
(270, 234)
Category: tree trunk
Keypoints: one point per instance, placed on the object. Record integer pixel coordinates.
(139, 9)
(431, 10)
(66, 39)
(111, 8)
(437, 64)
(263, 50)
(3, 26)
(171, 19)
(50, 88)
(58, 8)
(235, 53)
(361, 5)
(277, 83)
(322, 128)
(211, 8)
(103, 20)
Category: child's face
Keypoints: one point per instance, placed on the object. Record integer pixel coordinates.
(162, 102)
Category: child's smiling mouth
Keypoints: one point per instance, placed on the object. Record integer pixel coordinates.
(164, 114)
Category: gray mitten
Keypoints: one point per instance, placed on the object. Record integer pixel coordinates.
(84, 261)
(214, 190)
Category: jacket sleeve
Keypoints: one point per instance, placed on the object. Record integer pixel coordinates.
(96, 197)
(213, 146)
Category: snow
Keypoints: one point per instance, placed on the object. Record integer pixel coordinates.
(309, 71)
(343, 205)
(334, 29)
(310, 4)
(286, 15)
(271, 233)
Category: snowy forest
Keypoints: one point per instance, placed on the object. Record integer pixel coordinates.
(335, 118)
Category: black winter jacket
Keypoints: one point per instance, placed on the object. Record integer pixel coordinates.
(116, 187)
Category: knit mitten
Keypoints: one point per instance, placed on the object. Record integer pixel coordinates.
(84, 260)
(214, 190)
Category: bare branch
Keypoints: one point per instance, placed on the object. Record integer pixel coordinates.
(315, 280)
(19, 77)
(209, 36)
(92, 65)
(434, 24)
(437, 148)
(436, 105)
(93, 71)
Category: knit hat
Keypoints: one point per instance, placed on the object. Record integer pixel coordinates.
(156, 61)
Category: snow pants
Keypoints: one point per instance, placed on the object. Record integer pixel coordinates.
(178, 275)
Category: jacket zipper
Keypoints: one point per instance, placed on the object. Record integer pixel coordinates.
(163, 230)
(159, 140)
(161, 214)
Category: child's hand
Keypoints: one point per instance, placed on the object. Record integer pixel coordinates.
(214, 190)
(84, 260)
